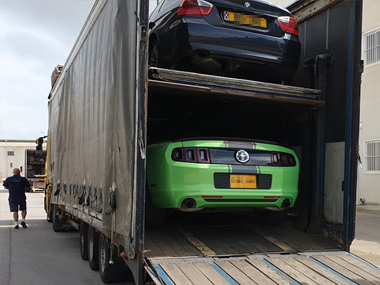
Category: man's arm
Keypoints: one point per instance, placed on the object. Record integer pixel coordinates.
(26, 184)
(5, 184)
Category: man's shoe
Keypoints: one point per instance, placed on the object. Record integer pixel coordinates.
(24, 225)
(16, 227)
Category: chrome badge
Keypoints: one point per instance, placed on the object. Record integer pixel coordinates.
(242, 156)
(247, 5)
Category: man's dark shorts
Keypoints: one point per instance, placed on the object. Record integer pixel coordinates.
(17, 205)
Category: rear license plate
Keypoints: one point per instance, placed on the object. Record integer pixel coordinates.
(244, 19)
(243, 181)
(41, 184)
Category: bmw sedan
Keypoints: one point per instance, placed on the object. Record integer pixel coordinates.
(249, 39)
(192, 175)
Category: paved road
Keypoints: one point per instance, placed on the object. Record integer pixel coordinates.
(38, 255)
(367, 235)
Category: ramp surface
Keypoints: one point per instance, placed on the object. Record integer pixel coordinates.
(302, 268)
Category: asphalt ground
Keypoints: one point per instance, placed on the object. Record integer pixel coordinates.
(38, 255)
(367, 234)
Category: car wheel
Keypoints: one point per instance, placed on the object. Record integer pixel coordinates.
(155, 56)
(154, 218)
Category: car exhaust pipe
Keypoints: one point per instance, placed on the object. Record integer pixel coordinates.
(201, 54)
(203, 60)
(189, 205)
(285, 204)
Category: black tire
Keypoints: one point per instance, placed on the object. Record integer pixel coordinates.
(109, 272)
(275, 217)
(154, 218)
(56, 223)
(156, 58)
(93, 248)
(49, 216)
(83, 240)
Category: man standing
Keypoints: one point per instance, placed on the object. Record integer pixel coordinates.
(17, 199)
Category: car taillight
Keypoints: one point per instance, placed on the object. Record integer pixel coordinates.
(194, 8)
(283, 159)
(193, 154)
(289, 25)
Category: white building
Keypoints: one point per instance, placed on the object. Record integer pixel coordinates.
(369, 141)
(12, 155)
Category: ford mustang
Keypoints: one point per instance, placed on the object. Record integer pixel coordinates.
(197, 174)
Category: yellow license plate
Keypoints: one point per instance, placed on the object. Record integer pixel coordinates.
(243, 181)
(245, 19)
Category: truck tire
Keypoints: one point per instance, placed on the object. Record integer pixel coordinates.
(109, 272)
(83, 240)
(55, 221)
(49, 216)
(93, 248)
(154, 218)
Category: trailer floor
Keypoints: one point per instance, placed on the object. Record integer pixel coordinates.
(221, 234)
(235, 249)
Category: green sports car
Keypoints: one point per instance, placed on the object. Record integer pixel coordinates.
(195, 174)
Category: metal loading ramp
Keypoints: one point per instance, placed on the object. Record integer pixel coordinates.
(209, 85)
(302, 268)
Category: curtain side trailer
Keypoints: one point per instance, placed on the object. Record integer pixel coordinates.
(104, 110)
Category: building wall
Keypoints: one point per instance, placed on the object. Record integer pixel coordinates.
(8, 162)
(369, 181)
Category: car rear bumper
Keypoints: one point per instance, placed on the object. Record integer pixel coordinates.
(227, 44)
(180, 182)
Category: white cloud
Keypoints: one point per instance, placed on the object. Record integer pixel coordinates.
(35, 36)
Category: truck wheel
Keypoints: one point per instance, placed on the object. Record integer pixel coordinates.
(93, 248)
(49, 216)
(109, 272)
(154, 218)
(83, 240)
(55, 221)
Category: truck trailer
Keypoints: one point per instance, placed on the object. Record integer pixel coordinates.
(104, 111)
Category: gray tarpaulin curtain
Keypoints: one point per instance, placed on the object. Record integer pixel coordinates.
(92, 117)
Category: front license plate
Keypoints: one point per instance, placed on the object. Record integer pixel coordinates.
(243, 181)
(244, 19)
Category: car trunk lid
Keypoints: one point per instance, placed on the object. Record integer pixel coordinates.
(254, 16)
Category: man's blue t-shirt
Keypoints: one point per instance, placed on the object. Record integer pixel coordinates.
(16, 185)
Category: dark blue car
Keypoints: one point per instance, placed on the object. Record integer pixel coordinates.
(249, 39)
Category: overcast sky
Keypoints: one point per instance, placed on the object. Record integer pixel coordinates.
(35, 36)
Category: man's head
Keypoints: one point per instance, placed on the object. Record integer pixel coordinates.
(16, 171)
